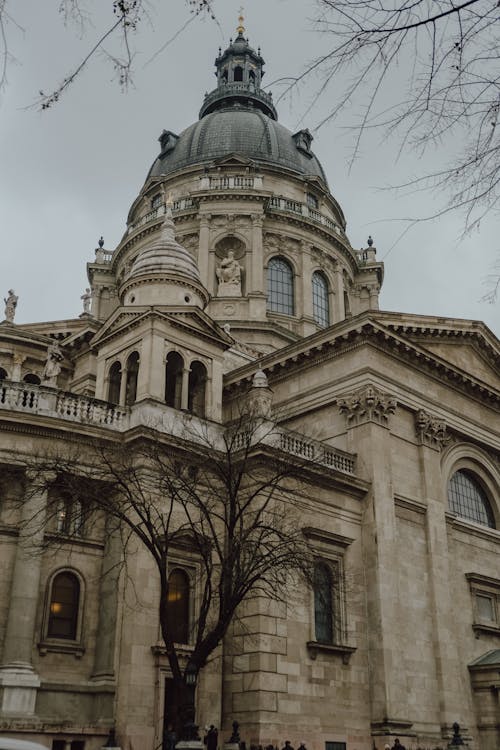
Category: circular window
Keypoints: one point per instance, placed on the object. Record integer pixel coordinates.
(132, 299)
(468, 500)
(187, 298)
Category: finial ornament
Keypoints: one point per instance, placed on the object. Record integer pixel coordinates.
(240, 28)
(370, 240)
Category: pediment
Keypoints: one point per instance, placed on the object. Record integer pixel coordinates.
(193, 320)
(234, 159)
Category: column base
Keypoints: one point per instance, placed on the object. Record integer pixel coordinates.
(18, 687)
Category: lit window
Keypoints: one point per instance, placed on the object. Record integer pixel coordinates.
(321, 309)
(280, 286)
(69, 516)
(468, 500)
(64, 605)
(178, 606)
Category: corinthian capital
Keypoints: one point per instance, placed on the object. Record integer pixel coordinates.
(367, 404)
(430, 430)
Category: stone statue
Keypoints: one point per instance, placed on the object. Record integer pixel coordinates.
(229, 276)
(87, 299)
(10, 306)
(53, 364)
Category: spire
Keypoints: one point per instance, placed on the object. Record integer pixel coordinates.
(239, 71)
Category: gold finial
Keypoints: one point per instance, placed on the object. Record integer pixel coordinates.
(240, 28)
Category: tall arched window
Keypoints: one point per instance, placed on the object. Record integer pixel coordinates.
(173, 380)
(114, 383)
(321, 307)
(468, 500)
(238, 73)
(197, 389)
(178, 606)
(323, 603)
(280, 286)
(132, 373)
(63, 606)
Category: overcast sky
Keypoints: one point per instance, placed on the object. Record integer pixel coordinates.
(69, 175)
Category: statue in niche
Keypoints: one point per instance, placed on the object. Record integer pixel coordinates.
(10, 306)
(53, 364)
(229, 276)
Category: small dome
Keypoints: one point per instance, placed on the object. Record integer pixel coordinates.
(166, 256)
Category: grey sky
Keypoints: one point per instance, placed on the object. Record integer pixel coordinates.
(70, 174)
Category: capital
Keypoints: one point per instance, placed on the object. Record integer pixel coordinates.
(367, 404)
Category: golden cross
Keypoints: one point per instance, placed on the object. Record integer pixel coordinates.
(240, 28)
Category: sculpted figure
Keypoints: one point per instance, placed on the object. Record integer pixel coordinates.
(87, 299)
(53, 364)
(10, 306)
(229, 276)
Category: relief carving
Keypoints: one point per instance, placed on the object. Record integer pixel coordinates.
(367, 404)
(430, 430)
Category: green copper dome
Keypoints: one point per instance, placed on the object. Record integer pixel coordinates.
(238, 117)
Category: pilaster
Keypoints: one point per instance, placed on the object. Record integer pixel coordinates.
(18, 679)
(203, 250)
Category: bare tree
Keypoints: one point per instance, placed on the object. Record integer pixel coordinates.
(224, 495)
(447, 54)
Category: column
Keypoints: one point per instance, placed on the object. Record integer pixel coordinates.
(104, 655)
(203, 250)
(256, 285)
(185, 388)
(17, 675)
(432, 436)
(123, 386)
(338, 312)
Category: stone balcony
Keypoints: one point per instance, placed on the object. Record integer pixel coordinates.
(39, 400)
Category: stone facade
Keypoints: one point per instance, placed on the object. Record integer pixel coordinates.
(383, 409)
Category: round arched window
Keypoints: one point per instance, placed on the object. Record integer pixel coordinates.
(280, 286)
(468, 500)
(321, 309)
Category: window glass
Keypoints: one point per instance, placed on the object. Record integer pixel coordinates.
(280, 286)
(321, 310)
(323, 604)
(178, 606)
(157, 200)
(63, 612)
(485, 608)
(312, 201)
(468, 500)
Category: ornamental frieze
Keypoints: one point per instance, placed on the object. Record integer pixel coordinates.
(367, 404)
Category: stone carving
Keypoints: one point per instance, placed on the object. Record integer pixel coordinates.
(260, 396)
(367, 404)
(53, 364)
(10, 306)
(229, 276)
(431, 431)
(86, 299)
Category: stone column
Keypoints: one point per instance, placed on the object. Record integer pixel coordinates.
(432, 436)
(18, 679)
(255, 284)
(337, 313)
(123, 385)
(203, 249)
(185, 388)
(104, 656)
(368, 412)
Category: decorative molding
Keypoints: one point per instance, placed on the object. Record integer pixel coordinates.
(337, 540)
(367, 404)
(431, 431)
(330, 648)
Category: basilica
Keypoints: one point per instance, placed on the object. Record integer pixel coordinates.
(235, 276)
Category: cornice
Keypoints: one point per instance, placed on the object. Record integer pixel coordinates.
(364, 330)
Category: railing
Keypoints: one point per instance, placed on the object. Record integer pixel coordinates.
(41, 400)
(317, 452)
(280, 203)
(182, 204)
(230, 182)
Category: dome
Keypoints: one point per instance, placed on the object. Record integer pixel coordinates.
(166, 256)
(241, 130)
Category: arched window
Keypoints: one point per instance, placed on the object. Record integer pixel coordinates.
(32, 379)
(178, 606)
(468, 500)
(115, 382)
(321, 307)
(323, 603)
(280, 286)
(3, 374)
(173, 378)
(197, 389)
(63, 607)
(132, 373)
(156, 200)
(238, 73)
